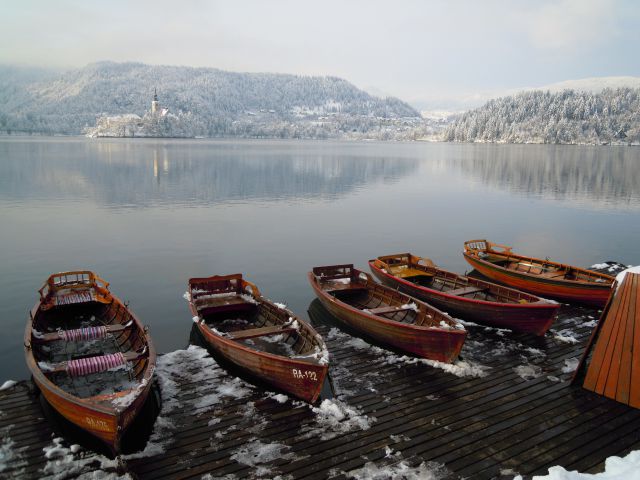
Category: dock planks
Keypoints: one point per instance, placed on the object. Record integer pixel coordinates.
(614, 366)
(524, 416)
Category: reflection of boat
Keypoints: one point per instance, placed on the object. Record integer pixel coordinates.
(386, 315)
(259, 336)
(542, 277)
(89, 355)
(465, 297)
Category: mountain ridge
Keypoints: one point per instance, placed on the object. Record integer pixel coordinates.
(216, 99)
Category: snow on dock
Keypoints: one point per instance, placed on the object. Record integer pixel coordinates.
(505, 408)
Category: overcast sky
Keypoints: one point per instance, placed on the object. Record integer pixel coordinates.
(417, 50)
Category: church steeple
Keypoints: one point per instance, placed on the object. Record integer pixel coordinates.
(155, 105)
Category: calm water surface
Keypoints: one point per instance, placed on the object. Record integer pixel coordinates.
(147, 215)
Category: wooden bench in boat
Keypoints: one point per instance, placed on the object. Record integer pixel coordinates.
(383, 310)
(408, 272)
(335, 287)
(93, 364)
(260, 332)
(466, 290)
(219, 301)
(73, 298)
(87, 333)
(554, 274)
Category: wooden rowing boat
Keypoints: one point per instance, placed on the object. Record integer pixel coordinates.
(465, 297)
(263, 338)
(386, 315)
(89, 355)
(541, 277)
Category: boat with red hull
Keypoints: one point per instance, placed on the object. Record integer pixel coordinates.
(541, 277)
(261, 337)
(386, 315)
(465, 297)
(89, 355)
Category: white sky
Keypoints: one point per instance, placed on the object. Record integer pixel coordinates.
(420, 51)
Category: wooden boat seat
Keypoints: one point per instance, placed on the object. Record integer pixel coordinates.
(260, 332)
(383, 310)
(554, 274)
(88, 365)
(220, 301)
(410, 272)
(75, 295)
(87, 333)
(466, 290)
(334, 287)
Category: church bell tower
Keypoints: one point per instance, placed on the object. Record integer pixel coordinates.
(155, 105)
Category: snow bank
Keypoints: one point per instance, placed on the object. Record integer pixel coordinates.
(337, 417)
(528, 372)
(565, 336)
(279, 397)
(611, 267)
(8, 384)
(459, 368)
(67, 462)
(622, 274)
(570, 365)
(615, 468)
(398, 471)
(10, 454)
(256, 452)
(196, 367)
(535, 352)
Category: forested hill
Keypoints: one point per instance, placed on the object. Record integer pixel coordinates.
(218, 102)
(611, 116)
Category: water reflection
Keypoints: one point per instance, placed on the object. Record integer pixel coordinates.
(145, 173)
(595, 176)
(273, 209)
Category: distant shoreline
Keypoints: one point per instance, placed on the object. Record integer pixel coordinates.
(22, 135)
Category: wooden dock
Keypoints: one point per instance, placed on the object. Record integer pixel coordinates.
(614, 366)
(522, 416)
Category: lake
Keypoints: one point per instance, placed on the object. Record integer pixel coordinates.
(148, 214)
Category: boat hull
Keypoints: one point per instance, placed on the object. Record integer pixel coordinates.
(106, 416)
(580, 292)
(434, 344)
(108, 425)
(527, 318)
(303, 380)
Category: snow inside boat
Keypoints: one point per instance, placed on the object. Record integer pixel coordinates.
(89, 355)
(387, 315)
(262, 337)
(465, 297)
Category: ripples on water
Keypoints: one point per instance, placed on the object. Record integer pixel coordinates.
(147, 215)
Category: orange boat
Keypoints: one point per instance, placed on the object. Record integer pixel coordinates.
(91, 358)
(465, 297)
(541, 277)
(263, 338)
(387, 315)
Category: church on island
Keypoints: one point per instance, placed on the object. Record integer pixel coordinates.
(156, 123)
(155, 106)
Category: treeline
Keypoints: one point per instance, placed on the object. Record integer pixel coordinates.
(567, 117)
(218, 103)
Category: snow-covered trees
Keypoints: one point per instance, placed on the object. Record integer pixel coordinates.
(612, 116)
(203, 101)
